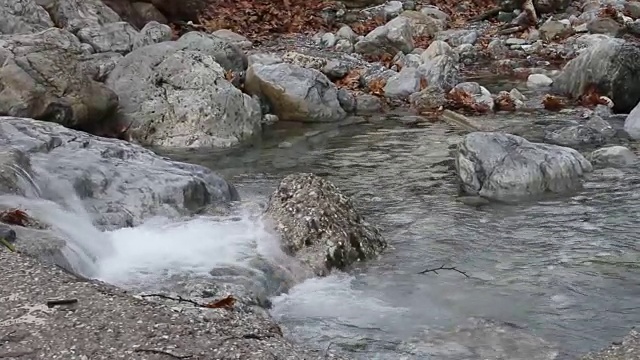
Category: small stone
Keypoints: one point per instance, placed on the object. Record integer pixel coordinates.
(538, 80)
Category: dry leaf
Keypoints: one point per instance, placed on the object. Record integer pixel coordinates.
(553, 103)
(226, 303)
(14, 217)
(376, 86)
(504, 102)
(591, 98)
(423, 83)
(458, 99)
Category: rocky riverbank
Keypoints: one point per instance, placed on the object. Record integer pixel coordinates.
(197, 75)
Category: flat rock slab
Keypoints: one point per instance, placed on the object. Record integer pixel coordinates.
(106, 323)
(628, 349)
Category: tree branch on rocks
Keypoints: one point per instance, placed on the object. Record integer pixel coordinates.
(442, 267)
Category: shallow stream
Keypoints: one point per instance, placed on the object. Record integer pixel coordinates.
(555, 276)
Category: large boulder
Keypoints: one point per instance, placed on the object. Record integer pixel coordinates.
(23, 17)
(42, 78)
(113, 37)
(320, 225)
(73, 15)
(175, 94)
(295, 93)
(118, 183)
(507, 167)
(611, 65)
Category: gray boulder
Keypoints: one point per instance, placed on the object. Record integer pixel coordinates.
(73, 15)
(403, 84)
(23, 17)
(613, 156)
(114, 37)
(612, 65)
(42, 78)
(99, 66)
(295, 93)
(632, 122)
(118, 183)
(174, 94)
(152, 33)
(320, 225)
(441, 71)
(506, 167)
(396, 35)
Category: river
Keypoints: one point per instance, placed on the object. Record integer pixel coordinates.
(558, 276)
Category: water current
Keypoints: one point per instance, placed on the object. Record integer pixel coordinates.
(552, 278)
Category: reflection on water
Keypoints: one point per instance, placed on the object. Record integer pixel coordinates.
(564, 270)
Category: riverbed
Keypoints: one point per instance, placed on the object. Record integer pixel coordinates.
(547, 279)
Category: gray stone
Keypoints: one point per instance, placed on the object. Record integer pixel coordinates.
(346, 33)
(99, 66)
(606, 25)
(538, 81)
(627, 349)
(347, 101)
(437, 48)
(611, 64)
(23, 17)
(225, 53)
(457, 37)
(152, 33)
(320, 225)
(600, 125)
(506, 167)
(295, 93)
(234, 38)
(575, 135)
(113, 37)
(613, 156)
(632, 122)
(434, 12)
(42, 78)
(368, 104)
(554, 28)
(328, 40)
(441, 71)
(119, 183)
(392, 9)
(390, 38)
(422, 25)
(633, 9)
(335, 69)
(174, 95)
(480, 94)
(73, 15)
(405, 83)
(428, 99)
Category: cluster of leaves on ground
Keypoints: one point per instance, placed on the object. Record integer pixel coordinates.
(257, 19)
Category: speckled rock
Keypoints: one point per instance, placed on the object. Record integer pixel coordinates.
(613, 156)
(107, 323)
(627, 349)
(320, 225)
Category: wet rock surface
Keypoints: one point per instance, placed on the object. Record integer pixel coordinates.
(507, 167)
(320, 225)
(120, 184)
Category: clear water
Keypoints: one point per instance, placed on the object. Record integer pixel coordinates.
(546, 278)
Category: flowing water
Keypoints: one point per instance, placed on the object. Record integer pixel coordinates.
(556, 276)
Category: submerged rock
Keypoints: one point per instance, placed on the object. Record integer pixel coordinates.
(507, 167)
(632, 122)
(320, 225)
(119, 183)
(613, 156)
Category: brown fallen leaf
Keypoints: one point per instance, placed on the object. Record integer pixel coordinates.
(225, 303)
(591, 97)
(458, 99)
(504, 102)
(423, 83)
(376, 86)
(14, 217)
(553, 103)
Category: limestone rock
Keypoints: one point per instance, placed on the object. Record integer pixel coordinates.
(320, 225)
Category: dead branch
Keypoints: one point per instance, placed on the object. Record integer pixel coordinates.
(442, 267)
(178, 299)
(491, 13)
(162, 352)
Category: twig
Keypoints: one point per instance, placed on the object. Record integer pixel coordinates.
(156, 351)
(487, 14)
(52, 303)
(442, 267)
(178, 299)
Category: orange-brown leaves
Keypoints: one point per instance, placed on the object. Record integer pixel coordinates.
(591, 98)
(504, 102)
(261, 18)
(376, 86)
(225, 303)
(553, 103)
(14, 217)
(365, 26)
(459, 99)
(351, 81)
